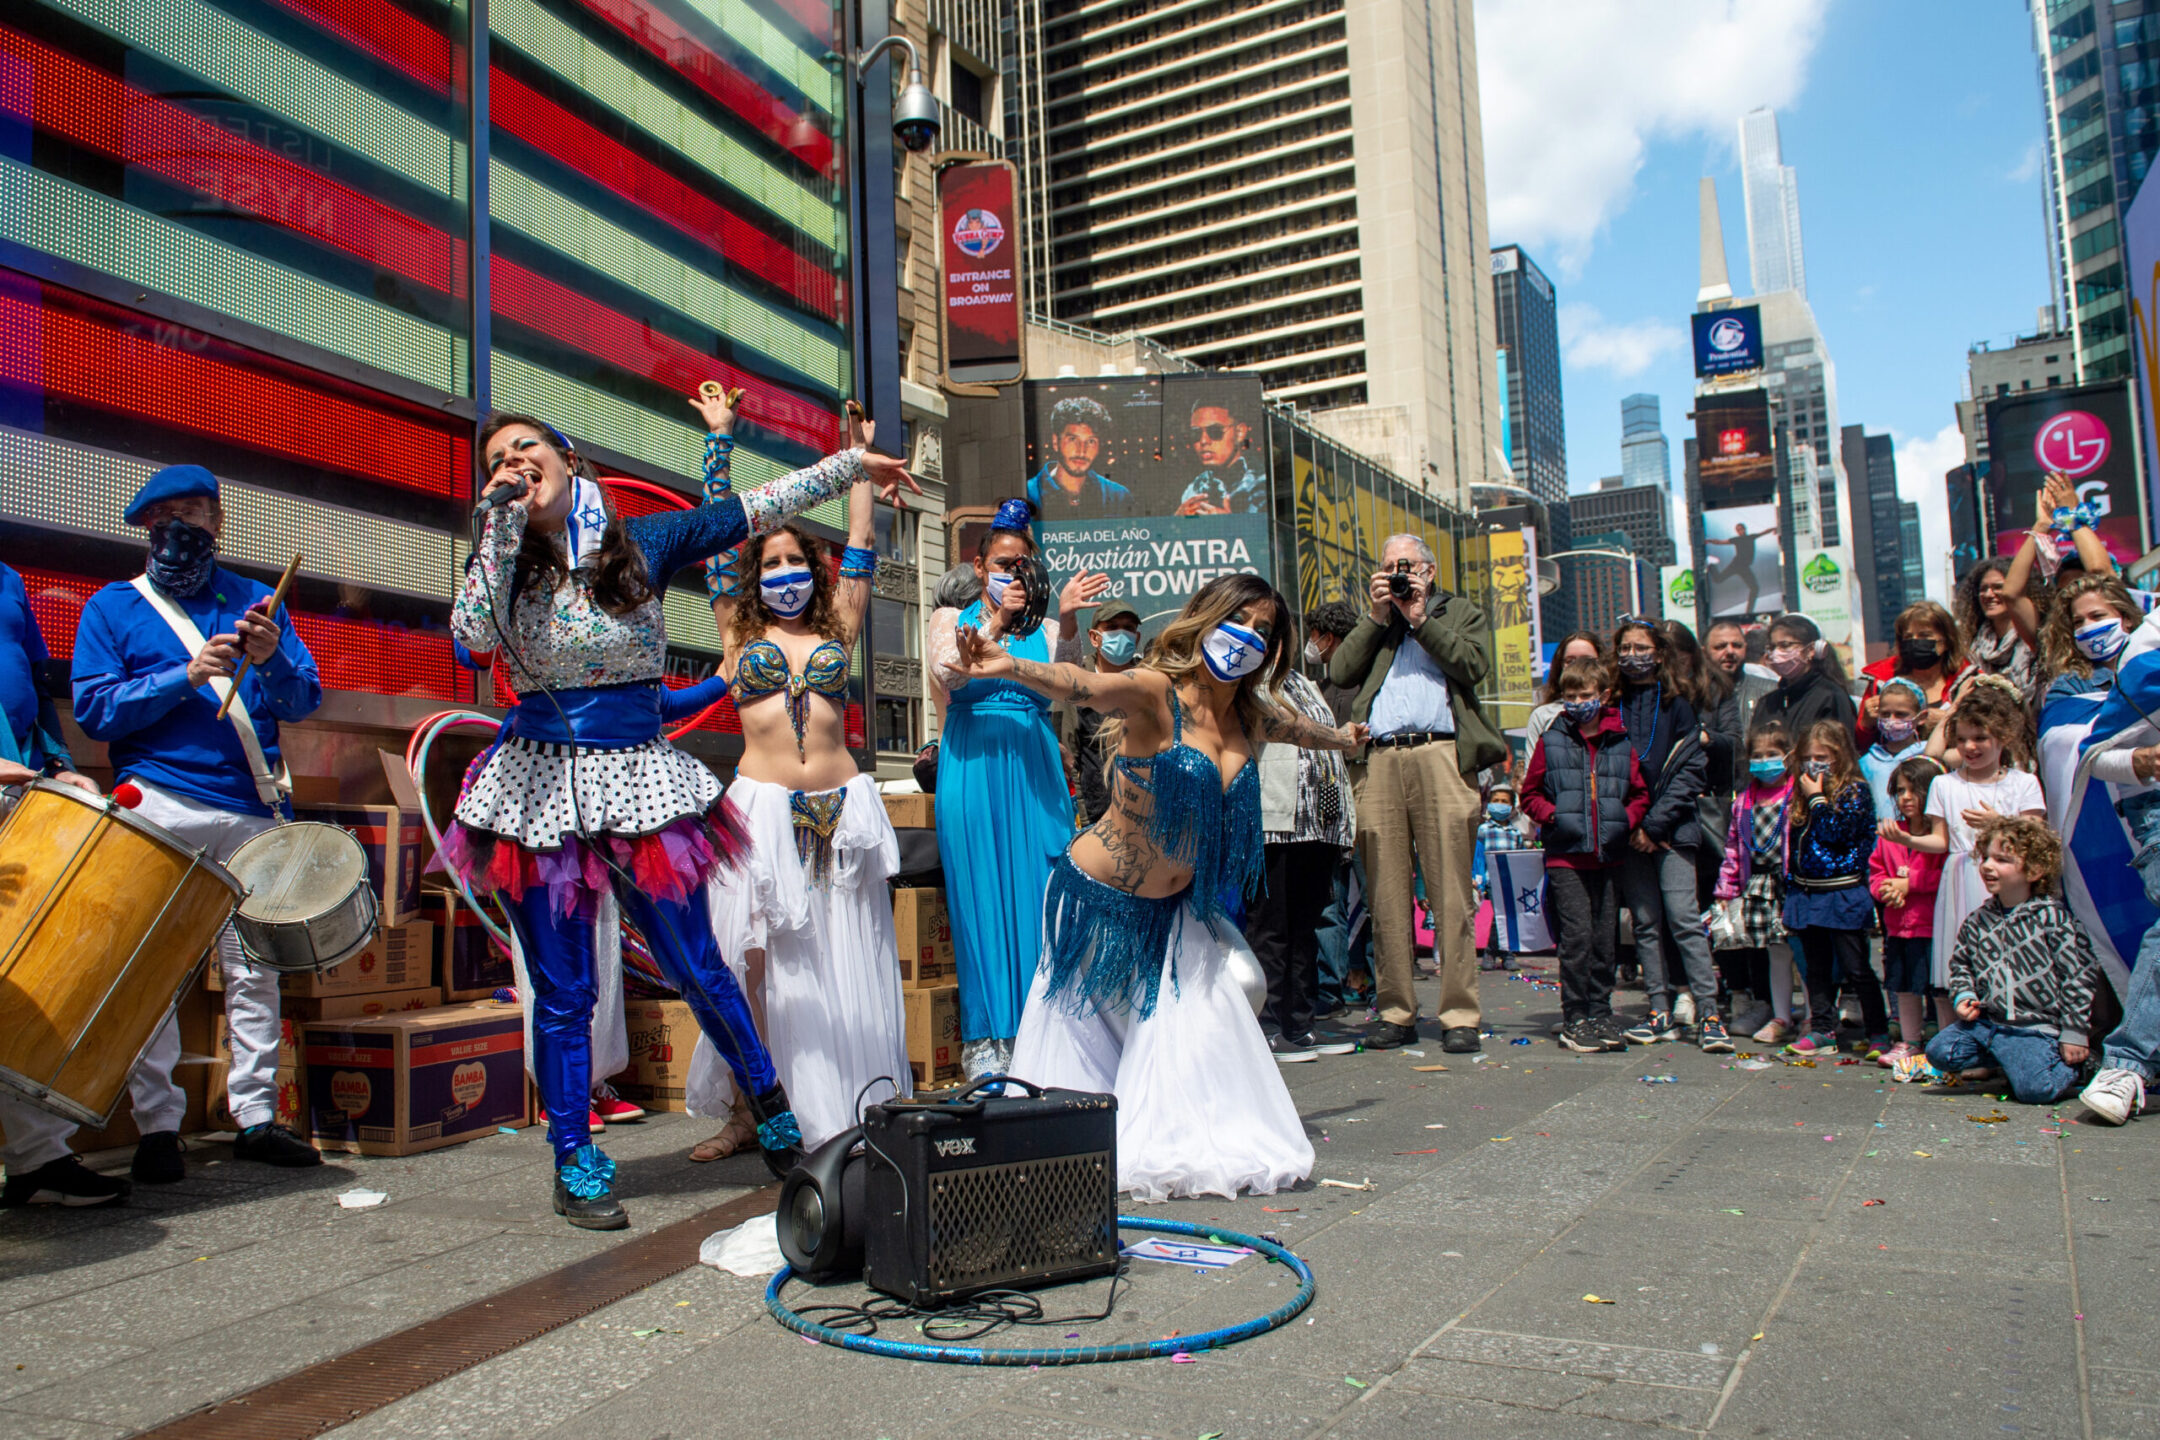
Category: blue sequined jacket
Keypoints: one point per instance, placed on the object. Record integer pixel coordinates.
(1831, 839)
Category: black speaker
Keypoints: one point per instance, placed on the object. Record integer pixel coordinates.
(822, 1210)
(985, 1191)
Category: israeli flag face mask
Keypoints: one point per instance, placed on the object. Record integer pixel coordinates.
(2101, 641)
(786, 592)
(1232, 652)
(994, 589)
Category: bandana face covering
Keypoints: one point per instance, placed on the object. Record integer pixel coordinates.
(1119, 646)
(1232, 652)
(181, 557)
(2100, 642)
(1638, 667)
(786, 592)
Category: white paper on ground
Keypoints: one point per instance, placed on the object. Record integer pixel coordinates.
(361, 1199)
(751, 1248)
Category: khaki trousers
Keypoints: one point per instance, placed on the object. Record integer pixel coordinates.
(1415, 802)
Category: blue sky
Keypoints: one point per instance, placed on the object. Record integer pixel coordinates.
(1913, 126)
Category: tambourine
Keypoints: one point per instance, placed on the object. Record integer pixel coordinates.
(1034, 575)
(714, 390)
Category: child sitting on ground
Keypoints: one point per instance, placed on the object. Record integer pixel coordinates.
(2022, 973)
(1585, 789)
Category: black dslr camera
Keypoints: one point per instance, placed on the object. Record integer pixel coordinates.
(1399, 584)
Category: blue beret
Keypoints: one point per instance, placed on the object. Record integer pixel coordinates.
(174, 482)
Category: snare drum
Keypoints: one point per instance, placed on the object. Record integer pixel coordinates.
(309, 901)
(104, 922)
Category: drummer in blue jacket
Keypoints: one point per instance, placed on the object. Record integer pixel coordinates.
(146, 653)
(41, 1170)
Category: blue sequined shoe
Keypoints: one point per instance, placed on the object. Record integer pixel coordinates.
(585, 1191)
(779, 1136)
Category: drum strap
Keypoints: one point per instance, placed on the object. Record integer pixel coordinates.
(270, 789)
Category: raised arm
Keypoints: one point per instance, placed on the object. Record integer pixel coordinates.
(1133, 691)
(1288, 727)
(718, 411)
(858, 563)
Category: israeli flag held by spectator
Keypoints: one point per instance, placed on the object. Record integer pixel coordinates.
(1518, 900)
(2103, 889)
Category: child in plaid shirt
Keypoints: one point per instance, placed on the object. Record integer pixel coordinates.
(1499, 830)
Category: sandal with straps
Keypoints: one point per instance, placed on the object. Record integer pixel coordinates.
(739, 1134)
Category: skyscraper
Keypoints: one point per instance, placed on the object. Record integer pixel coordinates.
(1640, 512)
(1645, 458)
(1915, 558)
(1878, 533)
(1293, 189)
(1772, 195)
(2100, 95)
(1526, 312)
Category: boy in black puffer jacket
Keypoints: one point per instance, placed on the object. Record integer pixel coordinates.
(1586, 792)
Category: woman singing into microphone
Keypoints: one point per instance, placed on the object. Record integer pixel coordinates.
(1144, 987)
(582, 796)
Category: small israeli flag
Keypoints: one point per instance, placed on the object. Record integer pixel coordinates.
(1518, 900)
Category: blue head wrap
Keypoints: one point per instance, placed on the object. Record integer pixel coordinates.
(1014, 515)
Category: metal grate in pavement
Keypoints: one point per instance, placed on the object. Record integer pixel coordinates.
(340, 1390)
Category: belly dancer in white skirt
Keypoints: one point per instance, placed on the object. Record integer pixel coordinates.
(1145, 988)
(808, 914)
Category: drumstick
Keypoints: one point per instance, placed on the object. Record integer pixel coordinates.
(277, 598)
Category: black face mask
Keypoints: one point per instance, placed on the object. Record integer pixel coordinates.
(181, 557)
(1919, 654)
(1638, 667)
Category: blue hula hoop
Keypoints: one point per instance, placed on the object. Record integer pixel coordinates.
(1073, 1354)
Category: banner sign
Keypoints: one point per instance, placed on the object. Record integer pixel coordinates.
(1742, 564)
(2141, 240)
(1159, 481)
(1537, 601)
(1514, 653)
(1676, 584)
(1826, 591)
(1735, 455)
(2082, 432)
(979, 221)
(1728, 342)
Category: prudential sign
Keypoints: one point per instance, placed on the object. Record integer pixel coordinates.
(1728, 342)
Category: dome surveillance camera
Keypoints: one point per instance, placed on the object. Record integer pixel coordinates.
(915, 115)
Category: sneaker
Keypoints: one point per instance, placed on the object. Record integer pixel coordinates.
(1334, 1042)
(1889, 1058)
(1657, 1025)
(67, 1181)
(594, 1121)
(1774, 1031)
(1382, 1035)
(1876, 1045)
(1747, 1021)
(157, 1159)
(611, 1109)
(273, 1144)
(1812, 1045)
(1608, 1030)
(585, 1191)
(1292, 1050)
(1488, 962)
(1582, 1036)
(1714, 1039)
(2113, 1097)
(1683, 1010)
(1461, 1040)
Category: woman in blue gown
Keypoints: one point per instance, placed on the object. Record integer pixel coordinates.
(1004, 812)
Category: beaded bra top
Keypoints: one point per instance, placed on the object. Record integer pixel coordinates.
(764, 670)
(1194, 820)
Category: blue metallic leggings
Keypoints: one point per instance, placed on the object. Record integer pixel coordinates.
(559, 963)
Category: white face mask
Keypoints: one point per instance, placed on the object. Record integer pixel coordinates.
(994, 589)
(1232, 652)
(786, 592)
(2100, 640)
(1312, 653)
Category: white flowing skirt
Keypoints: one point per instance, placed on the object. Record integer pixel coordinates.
(1202, 1108)
(832, 1010)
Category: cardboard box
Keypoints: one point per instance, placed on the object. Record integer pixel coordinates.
(364, 1006)
(925, 934)
(404, 1083)
(933, 1033)
(288, 1054)
(663, 1033)
(469, 965)
(393, 839)
(911, 812)
(400, 957)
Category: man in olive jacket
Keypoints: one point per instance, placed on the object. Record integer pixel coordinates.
(1415, 660)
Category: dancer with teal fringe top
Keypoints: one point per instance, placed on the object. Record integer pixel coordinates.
(1003, 812)
(1144, 987)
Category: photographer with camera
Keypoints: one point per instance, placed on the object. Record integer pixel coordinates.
(1415, 660)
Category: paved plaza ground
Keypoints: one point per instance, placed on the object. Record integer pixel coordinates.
(2004, 1284)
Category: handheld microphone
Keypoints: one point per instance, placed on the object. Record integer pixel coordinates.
(517, 490)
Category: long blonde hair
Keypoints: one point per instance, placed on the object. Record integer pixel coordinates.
(2059, 654)
(1175, 653)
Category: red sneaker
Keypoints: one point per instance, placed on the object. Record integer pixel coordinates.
(612, 1109)
(593, 1122)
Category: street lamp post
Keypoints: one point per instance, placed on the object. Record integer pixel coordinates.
(1634, 571)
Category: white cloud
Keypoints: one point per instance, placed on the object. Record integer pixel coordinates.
(1625, 350)
(1922, 461)
(2028, 167)
(1573, 91)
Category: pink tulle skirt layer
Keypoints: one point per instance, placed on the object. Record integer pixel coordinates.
(670, 864)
